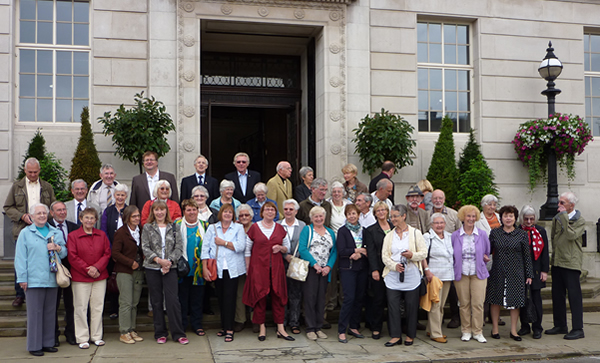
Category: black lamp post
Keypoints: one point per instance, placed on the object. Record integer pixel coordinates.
(550, 69)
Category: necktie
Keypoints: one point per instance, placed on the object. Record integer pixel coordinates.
(109, 198)
(78, 213)
(200, 180)
(60, 226)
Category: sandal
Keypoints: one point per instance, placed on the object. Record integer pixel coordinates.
(228, 337)
(201, 332)
(295, 330)
(221, 333)
(84, 345)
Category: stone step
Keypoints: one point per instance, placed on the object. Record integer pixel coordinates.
(6, 266)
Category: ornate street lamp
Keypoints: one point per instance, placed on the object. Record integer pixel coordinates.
(550, 69)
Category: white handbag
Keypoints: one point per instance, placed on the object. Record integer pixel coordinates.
(298, 268)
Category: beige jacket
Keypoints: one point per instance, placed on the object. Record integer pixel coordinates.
(416, 244)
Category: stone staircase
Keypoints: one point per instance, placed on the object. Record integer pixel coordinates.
(13, 321)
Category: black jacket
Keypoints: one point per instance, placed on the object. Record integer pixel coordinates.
(253, 179)
(345, 248)
(190, 182)
(542, 264)
(373, 237)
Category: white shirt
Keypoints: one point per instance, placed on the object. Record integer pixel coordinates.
(136, 234)
(33, 192)
(441, 258)
(366, 219)
(267, 232)
(469, 267)
(203, 178)
(152, 180)
(412, 275)
(375, 200)
(243, 179)
(76, 205)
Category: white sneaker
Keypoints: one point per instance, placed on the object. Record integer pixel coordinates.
(479, 338)
(466, 337)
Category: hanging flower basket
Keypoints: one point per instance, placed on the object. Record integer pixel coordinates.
(568, 135)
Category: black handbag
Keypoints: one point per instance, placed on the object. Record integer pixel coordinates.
(529, 306)
(183, 267)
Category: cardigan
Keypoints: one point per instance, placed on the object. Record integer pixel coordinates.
(416, 244)
(125, 250)
(87, 250)
(305, 243)
(373, 237)
(151, 241)
(482, 247)
(110, 221)
(345, 248)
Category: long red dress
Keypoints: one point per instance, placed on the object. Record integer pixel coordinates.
(265, 267)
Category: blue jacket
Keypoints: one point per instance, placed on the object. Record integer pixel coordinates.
(256, 209)
(304, 247)
(32, 262)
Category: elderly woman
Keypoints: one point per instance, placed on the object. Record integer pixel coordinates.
(266, 242)
(338, 205)
(110, 222)
(352, 185)
(162, 192)
(402, 252)
(538, 250)
(162, 246)
(205, 213)
(89, 253)
(354, 267)
(317, 246)
(245, 215)
(225, 241)
(260, 192)
(471, 253)
(191, 287)
(292, 227)
(427, 189)
(128, 256)
(439, 264)
(511, 270)
(226, 189)
(373, 238)
(303, 190)
(38, 246)
(489, 218)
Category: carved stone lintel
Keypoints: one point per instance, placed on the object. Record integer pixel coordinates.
(226, 9)
(299, 14)
(263, 11)
(335, 15)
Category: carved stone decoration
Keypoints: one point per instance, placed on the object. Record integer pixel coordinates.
(299, 14)
(335, 149)
(189, 76)
(262, 11)
(335, 15)
(189, 7)
(335, 48)
(226, 9)
(189, 41)
(189, 111)
(335, 116)
(188, 146)
(336, 82)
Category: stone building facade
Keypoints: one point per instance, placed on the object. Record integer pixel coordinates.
(289, 79)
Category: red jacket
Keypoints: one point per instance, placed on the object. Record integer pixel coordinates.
(265, 266)
(86, 250)
(174, 210)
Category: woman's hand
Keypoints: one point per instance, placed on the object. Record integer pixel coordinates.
(23, 285)
(288, 258)
(361, 251)
(486, 258)
(429, 275)
(279, 249)
(399, 267)
(543, 276)
(135, 265)
(528, 281)
(317, 268)
(220, 241)
(407, 254)
(93, 272)
(375, 275)
(53, 247)
(205, 271)
(355, 256)
(325, 270)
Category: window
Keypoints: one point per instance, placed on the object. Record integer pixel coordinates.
(444, 75)
(592, 81)
(53, 59)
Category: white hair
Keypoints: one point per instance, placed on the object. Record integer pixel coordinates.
(571, 197)
(527, 210)
(260, 187)
(122, 188)
(226, 184)
(337, 184)
(292, 202)
(33, 207)
(437, 215)
(159, 184)
(245, 207)
(487, 199)
(33, 161)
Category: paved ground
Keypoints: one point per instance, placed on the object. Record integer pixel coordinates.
(246, 348)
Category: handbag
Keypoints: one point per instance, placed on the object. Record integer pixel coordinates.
(298, 268)
(423, 285)
(211, 264)
(529, 306)
(183, 267)
(63, 276)
(111, 284)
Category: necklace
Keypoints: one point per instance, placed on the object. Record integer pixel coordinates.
(190, 224)
(490, 218)
(267, 225)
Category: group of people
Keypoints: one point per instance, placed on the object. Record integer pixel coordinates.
(399, 256)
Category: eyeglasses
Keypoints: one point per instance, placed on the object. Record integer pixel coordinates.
(562, 202)
(244, 216)
(164, 188)
(289, 209)
(199, 196)
(149, 160)
(240, 161)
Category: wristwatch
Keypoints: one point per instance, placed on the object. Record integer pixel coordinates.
(426, 268)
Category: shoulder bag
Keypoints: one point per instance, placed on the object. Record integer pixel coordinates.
(298, 268)
(63, 276)
(183, 267)
(211, 263)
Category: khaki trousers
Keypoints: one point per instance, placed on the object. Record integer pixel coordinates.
(471, 295)
(240, 308)
(92, 293)
(436, 314)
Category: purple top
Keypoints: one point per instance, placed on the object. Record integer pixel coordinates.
(482, 247)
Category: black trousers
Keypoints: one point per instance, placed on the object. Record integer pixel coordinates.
(354, 286)
(563, 280)
(67, 294)
(113, 298)
(536, 297)
(294, 305)
(453, 301)
(315, 288)
(411, 301)
(165, 286)
(191, 298)
(375, 302)
(227, 295)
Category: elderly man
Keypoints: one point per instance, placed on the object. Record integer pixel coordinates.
(75, 206)
(243, 178)
(384, 190)
(200, 178)
(568, 227)
(102, 192)
(364, 202)
(142, 185)
(438, 198)
(318, 188)
(59, 212)
(416, 217)
(387, 171)
(26, 192)
(280, 186)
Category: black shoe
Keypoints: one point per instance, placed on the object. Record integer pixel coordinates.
(238, 327)
(255, 328)
(407, 343)
(342, 340)
(557, 330)
(575, 334)
(208, 312)
(421, 326)
(453, 324)
(376, 336)
(288, 338)
(524, 331)
(501, 322)
(516, 337)
(326, 325)
(390, 344)
(56, 342)
(49, 350)
(262, 338)
(71, 341)
(496, 336)
(18, 302)
(359, 335)
(537, 334)
(37, 353)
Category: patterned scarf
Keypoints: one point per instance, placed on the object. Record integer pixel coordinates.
(535, 240)
(353, 227)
